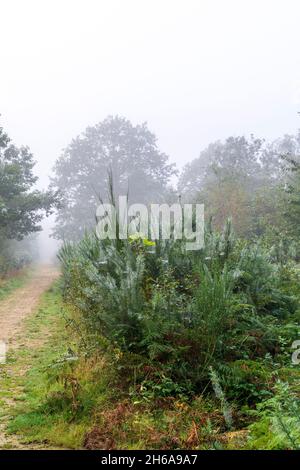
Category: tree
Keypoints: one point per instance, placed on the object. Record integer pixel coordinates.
(21, 207)
(229, 177)
(236, 157)
(291, 194)
(114, 145)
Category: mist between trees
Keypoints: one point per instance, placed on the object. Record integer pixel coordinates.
(247, 179)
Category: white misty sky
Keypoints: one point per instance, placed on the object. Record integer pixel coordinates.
(195, 70)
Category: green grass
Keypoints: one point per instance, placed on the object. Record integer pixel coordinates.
(43, 411)
(9, 285)
(44, 341)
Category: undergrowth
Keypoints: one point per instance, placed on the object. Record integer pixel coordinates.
(207, 367)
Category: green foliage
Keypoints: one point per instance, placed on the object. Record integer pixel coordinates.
(15, 255)
(21, 207)
(260, 281)
(237, 178)
(81, 173)
(291, 194)
(278, 425)
(180, 312)
(246, 381)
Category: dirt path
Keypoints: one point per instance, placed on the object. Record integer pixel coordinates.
(14, 309)
(22, 302)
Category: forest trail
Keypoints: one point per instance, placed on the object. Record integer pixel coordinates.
(22, 301)
(14, 310)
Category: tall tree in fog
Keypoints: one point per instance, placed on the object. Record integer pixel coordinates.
(21, 207)
(291, 186)
(230, 178)
(130, 152)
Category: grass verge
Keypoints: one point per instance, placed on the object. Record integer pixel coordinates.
(23, 381)
(8, 285)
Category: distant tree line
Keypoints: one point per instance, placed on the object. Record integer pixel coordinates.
(251, 181)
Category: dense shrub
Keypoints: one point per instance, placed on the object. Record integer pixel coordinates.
(278, 425)
(179, 312)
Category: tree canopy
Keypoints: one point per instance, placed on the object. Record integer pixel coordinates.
(291, 206)
(114, 145)
(21, 206)
(236, 178)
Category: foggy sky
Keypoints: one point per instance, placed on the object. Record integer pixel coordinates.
(195, 70)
